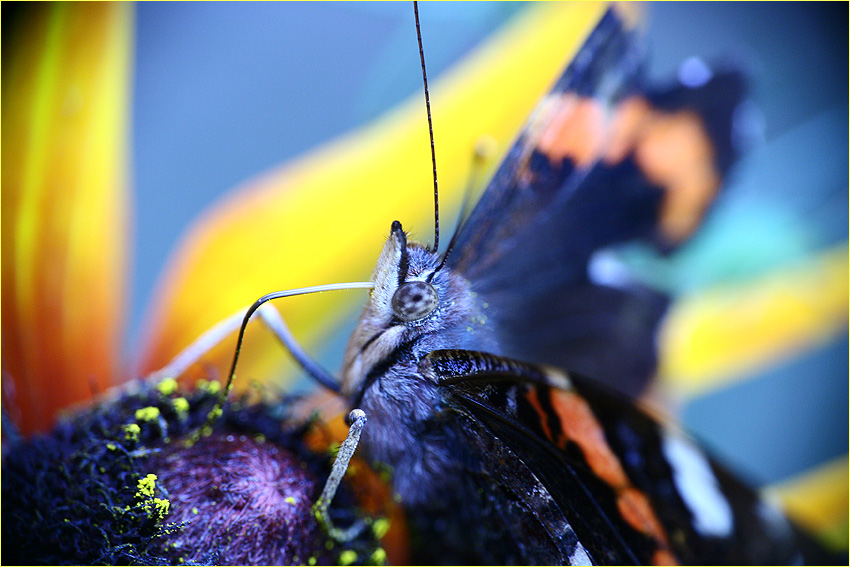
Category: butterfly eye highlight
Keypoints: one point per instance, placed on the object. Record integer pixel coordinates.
(414, 300)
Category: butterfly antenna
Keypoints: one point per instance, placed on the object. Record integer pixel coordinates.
(430, 130)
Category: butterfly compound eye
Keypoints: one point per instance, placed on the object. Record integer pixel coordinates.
(414, 300)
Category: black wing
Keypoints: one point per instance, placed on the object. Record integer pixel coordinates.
(632, 490)
(571, 185)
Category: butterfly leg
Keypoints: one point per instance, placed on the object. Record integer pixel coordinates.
(357, 418)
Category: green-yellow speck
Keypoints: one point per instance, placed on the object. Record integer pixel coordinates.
(146, 486)
(167, 387)
(379, 557)
(162, 506)
(111, 446)
(289, 499)
(311, 561)
(194, 510)
(181, 406)
(212, 387)
(347, 557)
(380, 527)
(131, 431)
(147, 414)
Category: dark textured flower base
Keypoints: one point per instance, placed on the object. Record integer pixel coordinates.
(121, 483)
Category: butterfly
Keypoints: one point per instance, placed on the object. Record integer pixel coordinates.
(497, 459)
(497, 455)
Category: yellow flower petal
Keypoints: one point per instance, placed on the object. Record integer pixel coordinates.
(723, 334)
(64, 132)
(324, 218)
(817, 499)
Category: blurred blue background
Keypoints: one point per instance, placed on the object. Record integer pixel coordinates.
(224, 91)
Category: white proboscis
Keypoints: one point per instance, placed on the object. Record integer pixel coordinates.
(268, 314)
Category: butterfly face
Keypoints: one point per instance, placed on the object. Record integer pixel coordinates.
(413, 308)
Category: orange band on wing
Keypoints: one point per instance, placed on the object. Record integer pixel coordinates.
(580, 425)
(576, 131)
(541, 413)
(672, 150)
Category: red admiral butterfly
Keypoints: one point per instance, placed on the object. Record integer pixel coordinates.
(496, 460)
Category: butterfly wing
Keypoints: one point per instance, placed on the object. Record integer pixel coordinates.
(592, 167)
(633, 491)
(506, 513)
(526, 184)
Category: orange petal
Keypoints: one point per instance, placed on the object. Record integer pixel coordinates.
(323, 218)
(64, 204)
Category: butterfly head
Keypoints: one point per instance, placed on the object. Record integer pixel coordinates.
(415, 302)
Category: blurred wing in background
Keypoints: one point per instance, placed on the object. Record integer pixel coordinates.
(604, 159)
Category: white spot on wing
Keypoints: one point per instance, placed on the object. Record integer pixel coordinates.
(698, 486)
(694, 73)
(605, 268)
(557, 378)
(580, 556)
